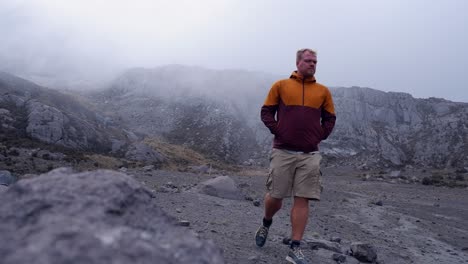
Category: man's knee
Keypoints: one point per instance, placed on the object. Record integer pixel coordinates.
(272, 199)
(301, 201)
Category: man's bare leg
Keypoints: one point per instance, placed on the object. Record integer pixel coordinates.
(272, 206)
(299, 217)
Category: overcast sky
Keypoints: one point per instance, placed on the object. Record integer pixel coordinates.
(413, 46)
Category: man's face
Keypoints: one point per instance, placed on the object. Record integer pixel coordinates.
(306, 65)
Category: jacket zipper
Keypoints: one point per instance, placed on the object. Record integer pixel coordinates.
(303, 91)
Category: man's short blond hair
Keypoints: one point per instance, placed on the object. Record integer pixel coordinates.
(302, 51)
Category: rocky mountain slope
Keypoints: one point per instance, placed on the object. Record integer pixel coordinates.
(217, 114)
(400, 129)
(373, 127)
(49, 116)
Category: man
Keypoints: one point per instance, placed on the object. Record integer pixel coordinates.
(305, 116)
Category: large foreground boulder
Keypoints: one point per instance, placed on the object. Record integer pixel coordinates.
(92, 217)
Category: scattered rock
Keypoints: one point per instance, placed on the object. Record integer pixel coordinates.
(253, 258)
(6, 178)
(339, 258)
(202, 169)
(314, 243)
(148, 168)
(363, 252)
(249, 162)
(47, 155)
(169, 187)
(117, 145)
(61, 171)
(243, 185)
(144, 153)
(3, 188)
(248, 198)
(184, 223)
(256, 202)
(221, 186)
(335, 239)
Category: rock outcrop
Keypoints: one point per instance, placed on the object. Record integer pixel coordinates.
(397, 129)
(28, 110)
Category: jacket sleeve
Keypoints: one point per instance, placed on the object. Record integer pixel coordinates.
(270, 107)
(328, 116)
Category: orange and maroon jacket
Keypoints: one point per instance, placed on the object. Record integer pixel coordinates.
(305, 113)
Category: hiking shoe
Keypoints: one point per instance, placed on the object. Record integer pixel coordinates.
(295, 256)
(261, 236)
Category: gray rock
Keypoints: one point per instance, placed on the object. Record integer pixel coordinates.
(184, 223)
(201, 169)
(363, 252)
(46, 123)
(256, 202)
(221, 186)
(326, 256)
(335, 239)
(253, 258)
(92, 217)
(148, 168)
(144, 153)
(130, 135)
(47, 155)
(117, 145)
(61, 171)
(249, 162)
(339, 258)
(4, 112)
(3, 188)
(315, 243)
(6, 178)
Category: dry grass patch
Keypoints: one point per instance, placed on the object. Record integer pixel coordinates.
(104, 162)
(177, 155)
(253, 172)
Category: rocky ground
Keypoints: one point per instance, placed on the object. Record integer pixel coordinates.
(408, 215)
(404, 223)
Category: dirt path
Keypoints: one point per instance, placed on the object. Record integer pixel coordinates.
(414, 224)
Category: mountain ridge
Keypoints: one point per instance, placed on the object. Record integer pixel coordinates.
(217, 113)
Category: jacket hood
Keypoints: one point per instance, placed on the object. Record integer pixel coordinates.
(297, 76)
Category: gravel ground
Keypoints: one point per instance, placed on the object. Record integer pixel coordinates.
(405, 223)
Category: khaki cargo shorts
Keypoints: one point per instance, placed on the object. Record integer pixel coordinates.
(294, 174)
